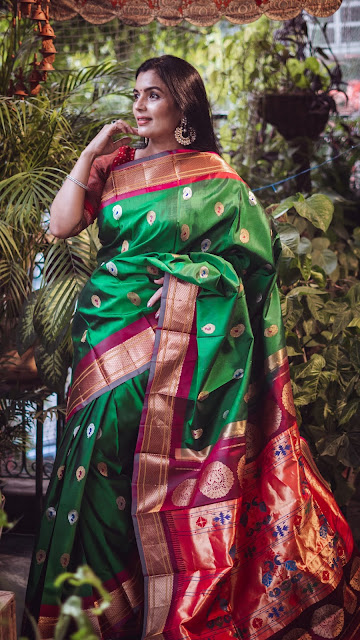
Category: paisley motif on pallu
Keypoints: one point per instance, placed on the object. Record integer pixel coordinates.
(181, 478)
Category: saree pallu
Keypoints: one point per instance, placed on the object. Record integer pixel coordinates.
(181, 478)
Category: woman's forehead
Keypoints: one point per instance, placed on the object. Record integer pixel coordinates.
(151, 79)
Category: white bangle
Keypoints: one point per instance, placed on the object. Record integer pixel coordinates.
(81, 184)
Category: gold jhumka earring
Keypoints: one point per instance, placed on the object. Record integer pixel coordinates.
(184, 134)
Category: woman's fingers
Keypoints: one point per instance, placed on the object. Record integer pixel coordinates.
(122, 142)
(155, 297)
(125, 127)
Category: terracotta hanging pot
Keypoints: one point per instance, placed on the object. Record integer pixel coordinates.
(35, 76)
(25, 8)
(35, 88)
(46, 66)
(38, 14)
(47, 46)
(47, 31)
(49, 57)
(20, 90)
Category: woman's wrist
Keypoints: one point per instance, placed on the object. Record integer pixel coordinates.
(88, 154)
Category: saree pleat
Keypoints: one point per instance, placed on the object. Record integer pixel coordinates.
(181, 478)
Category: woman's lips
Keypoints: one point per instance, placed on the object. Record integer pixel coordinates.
(142, 121)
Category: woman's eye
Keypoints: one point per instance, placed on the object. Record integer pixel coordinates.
(154, 95)
(135, 96)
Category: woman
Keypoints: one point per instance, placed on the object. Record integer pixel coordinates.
(181, 478)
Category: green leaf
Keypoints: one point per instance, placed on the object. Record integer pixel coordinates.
(83, 634)
(320, 243)
(318, 274)
(62, 627)
(305, 291)
(326, 259)
(351, 408)
(332, 356)
(355, 322)
(289, 235)
(8, 247)
(355, 352)
(25, 334)
(341, 321)
(53, 311)
(353, 296)
(305, 266)
(53, 367)
(318, 209)
(304, 246)
(293, 345)
(314, 380)
(283, 207)
(312, 64)
(316, 305)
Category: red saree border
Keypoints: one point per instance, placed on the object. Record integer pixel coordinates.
(173, 353)
(102, 368)
(126, 594)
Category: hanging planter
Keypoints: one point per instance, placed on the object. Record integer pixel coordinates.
(296, 115)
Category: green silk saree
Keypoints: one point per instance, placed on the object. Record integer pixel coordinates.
(181, 478)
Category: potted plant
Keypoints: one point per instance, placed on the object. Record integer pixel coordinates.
(296, 98)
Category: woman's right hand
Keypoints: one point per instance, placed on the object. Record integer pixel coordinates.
(103, 143)
(67, 209)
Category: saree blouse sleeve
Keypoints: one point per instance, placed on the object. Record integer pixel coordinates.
(99, 173)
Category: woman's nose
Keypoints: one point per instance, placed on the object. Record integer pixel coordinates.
(140, 103)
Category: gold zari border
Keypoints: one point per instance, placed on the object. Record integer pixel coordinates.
(275, 360)
(120, 361)
(164, 170)
(153, 467)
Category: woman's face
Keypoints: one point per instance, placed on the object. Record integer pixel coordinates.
(154, 108)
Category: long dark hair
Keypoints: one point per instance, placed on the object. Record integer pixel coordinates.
(188, 91)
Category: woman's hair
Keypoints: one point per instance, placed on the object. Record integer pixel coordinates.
(188, 91)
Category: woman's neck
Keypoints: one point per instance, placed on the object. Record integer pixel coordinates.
(155, 146)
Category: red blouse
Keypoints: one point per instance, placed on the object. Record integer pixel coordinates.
(99, 173)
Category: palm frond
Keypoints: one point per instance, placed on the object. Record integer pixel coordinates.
(53, 367)
(53, 312)
(25, 334)
(36, 188)
(14, 286)
(68, 265)
(8, 246)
